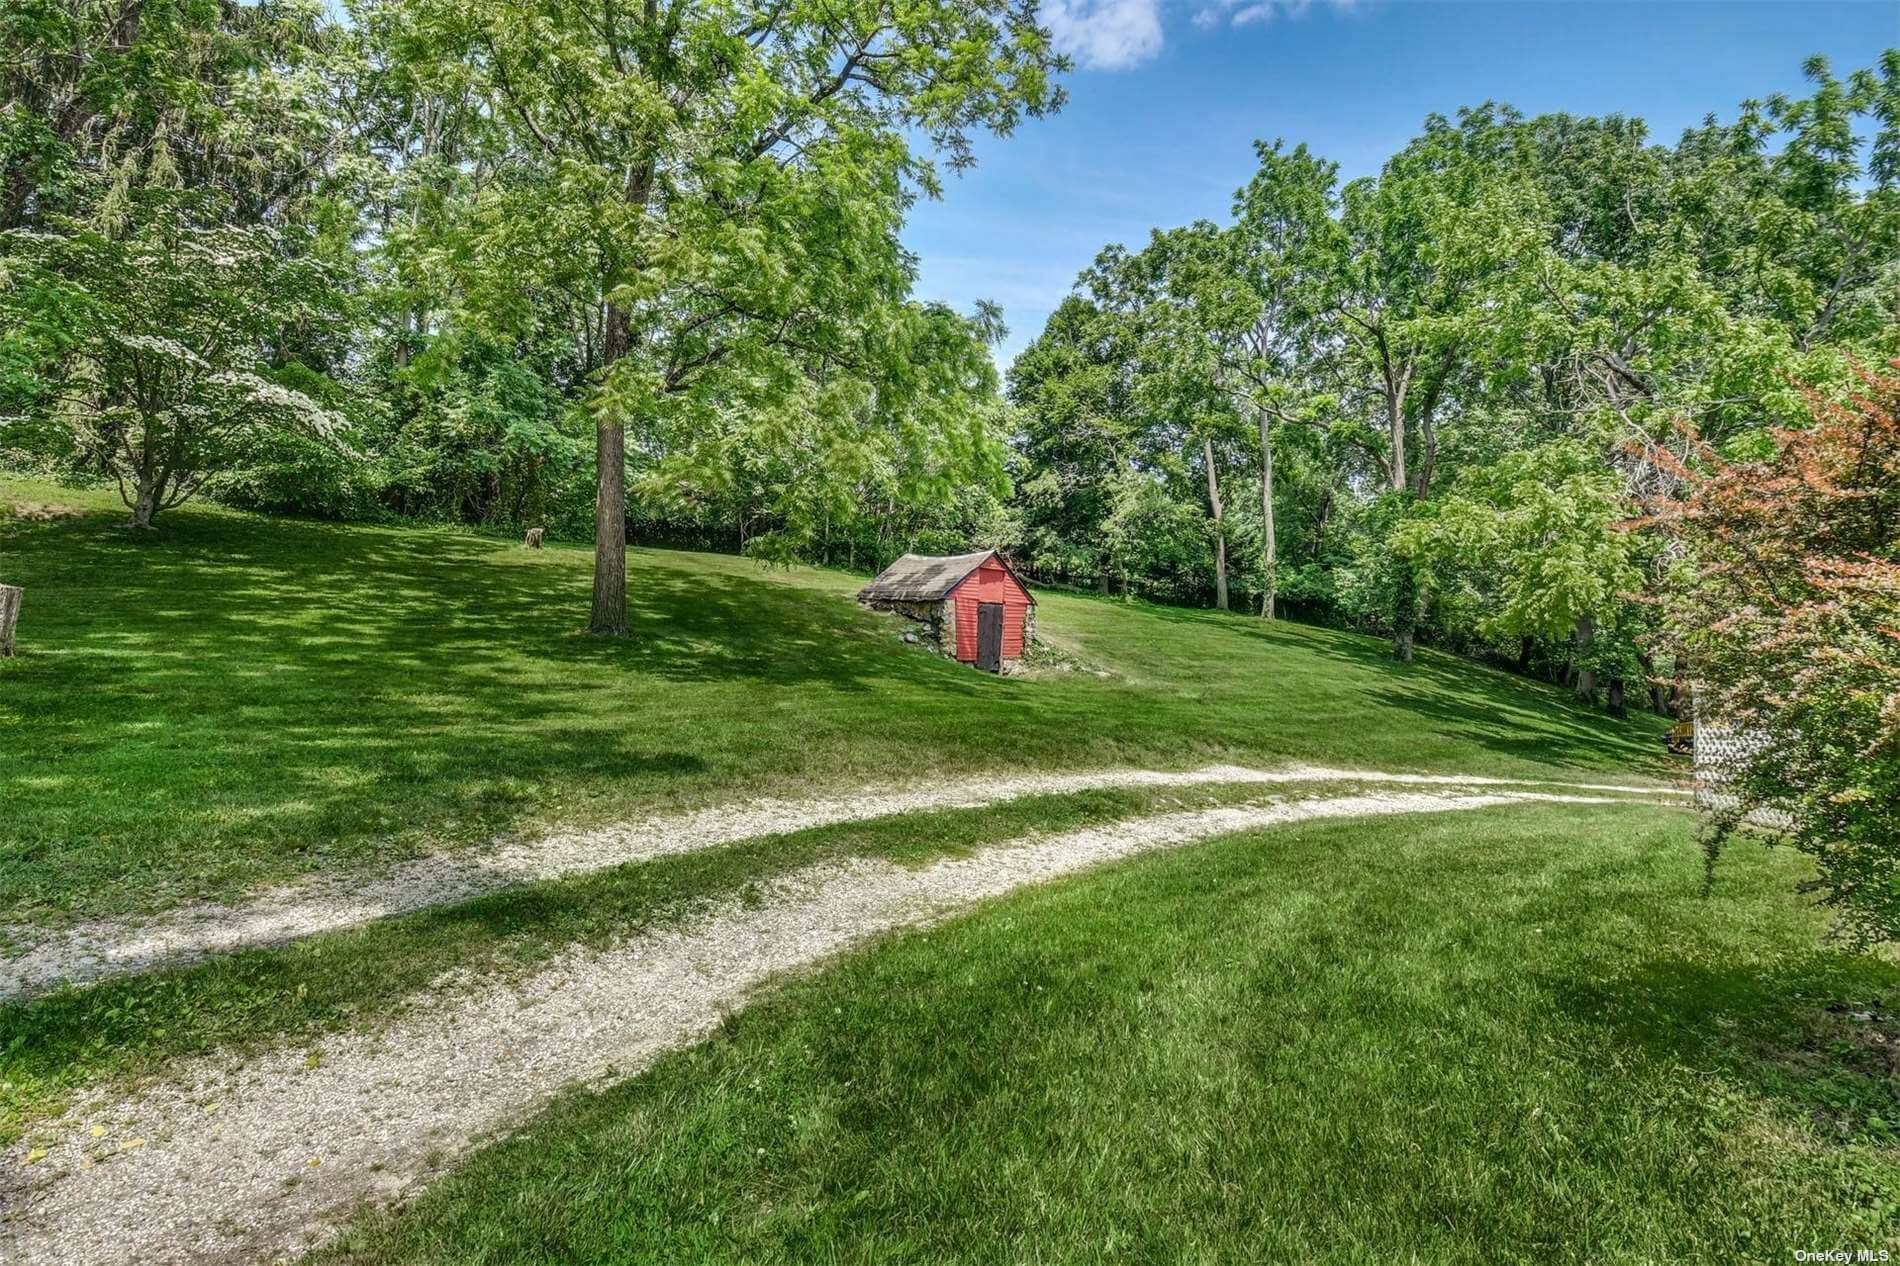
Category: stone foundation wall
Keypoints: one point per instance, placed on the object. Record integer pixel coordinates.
(1013, 666)
(936, 622)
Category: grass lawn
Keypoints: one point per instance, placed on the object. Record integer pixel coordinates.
(1519, 1035)
(121, 1029)
(1514, 1034)
(234, 699)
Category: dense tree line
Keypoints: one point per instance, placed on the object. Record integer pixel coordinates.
(503, 263)
(496, 261)
(1427, 401)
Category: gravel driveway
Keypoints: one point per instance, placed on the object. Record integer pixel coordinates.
(38, 959)
(244, 1163)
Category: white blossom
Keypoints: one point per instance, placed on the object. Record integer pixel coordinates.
(156, 345)
(261, 393)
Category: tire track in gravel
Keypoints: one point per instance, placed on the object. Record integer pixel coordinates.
(40, 959)
(224, 1162)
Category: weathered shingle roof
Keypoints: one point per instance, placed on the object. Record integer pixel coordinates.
(921, 578)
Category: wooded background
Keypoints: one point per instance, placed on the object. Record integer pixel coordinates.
(503, 263)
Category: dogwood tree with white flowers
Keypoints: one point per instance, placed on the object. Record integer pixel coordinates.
(161, 284)
(165, 345)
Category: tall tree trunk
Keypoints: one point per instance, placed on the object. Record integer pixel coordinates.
(609, 616)
(1269, 550)
(1421, 478)
(1405, 603)
(146, 479)
(1655, 698)
(1586, 688)
(1404, 610)
(144, 505)
(1220, 525)
(1395, 430)
(1405, 579)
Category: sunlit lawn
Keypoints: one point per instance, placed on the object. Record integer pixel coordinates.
(1510, 1035)
(1517, 1035)
(234, 699)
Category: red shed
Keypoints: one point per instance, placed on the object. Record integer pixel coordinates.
(974, 607)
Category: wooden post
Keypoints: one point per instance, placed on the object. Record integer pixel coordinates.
(10, 599)
(533, 539)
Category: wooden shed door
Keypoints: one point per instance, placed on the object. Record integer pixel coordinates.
(989, 636)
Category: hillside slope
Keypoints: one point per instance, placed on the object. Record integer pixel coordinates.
(236, 699)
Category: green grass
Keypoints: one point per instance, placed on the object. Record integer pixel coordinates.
(1519, 1035)
(122, 1029)
(236, 699)
(1510, 1035)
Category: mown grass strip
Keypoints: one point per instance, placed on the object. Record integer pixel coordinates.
(1516, 1035)
(121, 1028)
(235, 700)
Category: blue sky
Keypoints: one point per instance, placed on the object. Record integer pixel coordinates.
(1170, 94)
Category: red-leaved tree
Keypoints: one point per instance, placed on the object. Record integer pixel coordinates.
(1786, 605)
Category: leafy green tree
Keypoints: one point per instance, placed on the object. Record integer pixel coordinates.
(1540, 537)
(1075, 442)
(477, 430)
(1424, 247)
(1126, 434)
(1178, 379)
(1283, 244)
(1551, 285)
(165, 347)
(165, 295)
(1389, 287)
(922, 433)
(726, 182)
(1702, 282)
(77, 72)
(1160, 537)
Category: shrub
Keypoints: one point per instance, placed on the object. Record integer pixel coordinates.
(1786, 602)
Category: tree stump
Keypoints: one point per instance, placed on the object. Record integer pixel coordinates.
(533, 539)
(10, 599)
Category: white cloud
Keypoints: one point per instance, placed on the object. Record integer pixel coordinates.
(1120, 34)
(1105, 34)
(1255, 12)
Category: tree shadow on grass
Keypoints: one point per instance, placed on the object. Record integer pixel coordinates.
(326, 603)
(1816, 1034)
(1558, 736)
(297, 689)
(231, 698)
(1509, 715)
